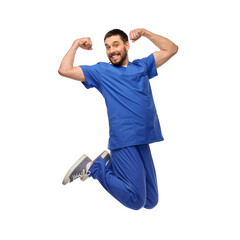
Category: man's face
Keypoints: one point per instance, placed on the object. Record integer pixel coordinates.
(117, 50)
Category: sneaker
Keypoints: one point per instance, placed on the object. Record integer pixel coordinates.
(105, 155)
(78, 170)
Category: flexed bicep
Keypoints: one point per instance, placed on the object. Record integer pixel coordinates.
(66, 68)
(162, 56)
(75, 73)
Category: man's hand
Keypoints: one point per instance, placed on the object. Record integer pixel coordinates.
(136, 34)
(84, 43)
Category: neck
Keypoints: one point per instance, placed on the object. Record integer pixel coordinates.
(125, 63)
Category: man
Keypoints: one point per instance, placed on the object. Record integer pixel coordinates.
(128, 173)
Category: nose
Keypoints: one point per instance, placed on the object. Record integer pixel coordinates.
(111, 50)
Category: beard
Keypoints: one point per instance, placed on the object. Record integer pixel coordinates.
(122, 59)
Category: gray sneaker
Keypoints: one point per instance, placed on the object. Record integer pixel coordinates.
(78, 170)
(105, 155)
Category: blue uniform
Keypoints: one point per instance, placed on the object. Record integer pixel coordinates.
(129, 176)
(132, 114)
(133, 123)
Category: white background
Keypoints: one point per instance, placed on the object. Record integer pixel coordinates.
(48, 122)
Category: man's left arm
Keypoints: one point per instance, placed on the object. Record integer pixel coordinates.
(166, 47)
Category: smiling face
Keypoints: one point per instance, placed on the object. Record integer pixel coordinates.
(117, 50)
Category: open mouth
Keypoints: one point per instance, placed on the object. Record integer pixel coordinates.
(115, 57)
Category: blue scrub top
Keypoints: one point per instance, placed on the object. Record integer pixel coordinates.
(132, 115)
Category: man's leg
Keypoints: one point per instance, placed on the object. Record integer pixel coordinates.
(124, 177)
(151, 178)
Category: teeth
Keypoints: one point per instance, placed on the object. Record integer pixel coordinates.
(115, 56)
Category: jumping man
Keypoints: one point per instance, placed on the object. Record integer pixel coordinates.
(128, 171)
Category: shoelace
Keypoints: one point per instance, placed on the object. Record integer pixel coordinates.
(81, 174)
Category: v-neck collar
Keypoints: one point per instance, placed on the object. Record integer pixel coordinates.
(123, 67)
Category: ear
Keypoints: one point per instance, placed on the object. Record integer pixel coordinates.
(127, 45)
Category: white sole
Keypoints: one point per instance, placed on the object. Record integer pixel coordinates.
(104, 154)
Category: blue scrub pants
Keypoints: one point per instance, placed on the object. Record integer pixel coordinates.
(129, 176)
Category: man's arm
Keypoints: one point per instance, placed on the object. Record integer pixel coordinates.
(167, 48)
(66, 68)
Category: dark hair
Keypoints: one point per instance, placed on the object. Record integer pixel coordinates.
(115, 32)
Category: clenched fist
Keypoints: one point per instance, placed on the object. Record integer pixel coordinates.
(84, 43)
(136, 34)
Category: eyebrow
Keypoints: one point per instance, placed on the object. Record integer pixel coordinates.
(113, 42)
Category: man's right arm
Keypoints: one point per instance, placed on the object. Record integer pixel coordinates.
(66, 68)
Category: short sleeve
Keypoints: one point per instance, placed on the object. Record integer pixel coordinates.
(91, 73)
(149, 62)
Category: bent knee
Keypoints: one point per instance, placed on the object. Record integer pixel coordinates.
(150, 204)
(137, 203)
